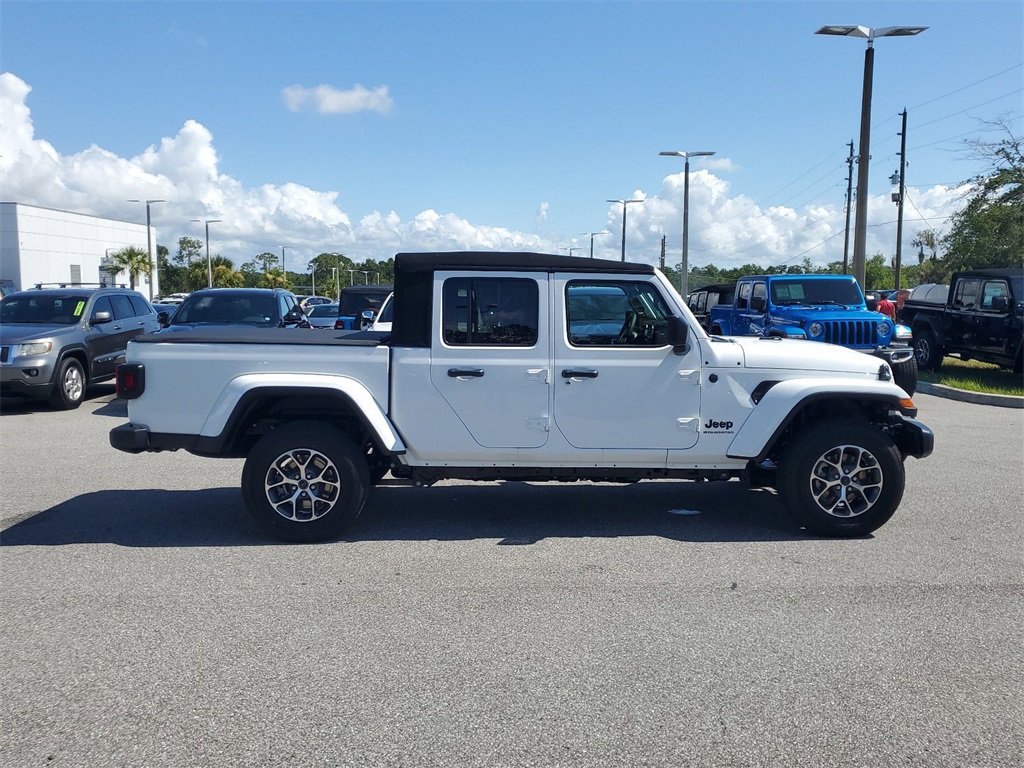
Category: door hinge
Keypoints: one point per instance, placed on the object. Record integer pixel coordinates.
(687, 424)
(538, 422)
(693, 377)
(537, 374)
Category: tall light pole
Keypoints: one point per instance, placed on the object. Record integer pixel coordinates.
(282, 263)
(592, 235)
(209, 264)
(684, 280)
(149, 242)
(625, 204)
(860, 227)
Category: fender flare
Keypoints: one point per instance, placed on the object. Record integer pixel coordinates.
(247, 386)
(785, 400)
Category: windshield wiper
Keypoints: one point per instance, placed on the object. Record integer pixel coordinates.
(829, 302)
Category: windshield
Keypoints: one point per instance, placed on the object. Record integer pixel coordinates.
(838, 291)
(227, 309)
(45, 309)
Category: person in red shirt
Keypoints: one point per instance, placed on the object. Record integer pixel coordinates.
(886, 307)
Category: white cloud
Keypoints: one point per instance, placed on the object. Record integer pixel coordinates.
(184, 171)
(328, 100)
(725, 229)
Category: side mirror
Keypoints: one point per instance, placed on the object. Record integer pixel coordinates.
(292, 317)
(163, 318)
(99, 318)
(1000, 303)
(366, 319)
(678, 333)
(758, 303)
(871, 300)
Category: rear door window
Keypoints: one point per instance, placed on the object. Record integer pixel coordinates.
(490, 311)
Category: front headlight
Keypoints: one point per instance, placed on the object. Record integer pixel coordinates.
(884, 329)
(815, 329)
(34, 348)
(903, 333)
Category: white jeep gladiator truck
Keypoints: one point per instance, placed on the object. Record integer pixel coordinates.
(524, 366)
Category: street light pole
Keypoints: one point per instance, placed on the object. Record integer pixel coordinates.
(624, 203)
(149, 242)
(684, 279)
(860, 228)
(592, 234)
(283, 270)
(209, 263)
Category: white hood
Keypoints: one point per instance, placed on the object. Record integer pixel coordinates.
(800, 355)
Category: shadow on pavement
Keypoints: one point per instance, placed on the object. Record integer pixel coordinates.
(513, 514)
(19, 406)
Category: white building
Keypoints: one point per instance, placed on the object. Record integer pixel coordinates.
(42, 245)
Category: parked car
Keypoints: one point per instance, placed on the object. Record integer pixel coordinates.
(355, 300)
(55, 342)
(323, 316)
(252, 307)
(701, 300)
(829, 309)
(979, 316)
(308, 302)
(382, 320)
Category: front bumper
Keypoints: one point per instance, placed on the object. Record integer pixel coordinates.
(913, 438)
(28, 377)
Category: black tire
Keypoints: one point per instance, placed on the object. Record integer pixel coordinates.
(317, 507)
(927, 350)
(68, 385)
(841, 477)
(905, 375)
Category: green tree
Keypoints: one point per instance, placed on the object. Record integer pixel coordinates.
(190, 252)
(223, 271)
(877, 274)
(132, 260)
(273, 278)
(989, 230)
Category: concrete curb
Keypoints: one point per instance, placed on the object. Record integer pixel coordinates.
(951, 393)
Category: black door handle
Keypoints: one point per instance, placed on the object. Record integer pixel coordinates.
(456, 373)
(568, 373)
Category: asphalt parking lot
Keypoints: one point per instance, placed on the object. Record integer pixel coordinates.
(146, 622)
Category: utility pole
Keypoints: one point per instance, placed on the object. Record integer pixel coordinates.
(899, 201)
(662, 253)
(849, 204)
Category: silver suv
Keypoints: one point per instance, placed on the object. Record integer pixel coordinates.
(55, 342)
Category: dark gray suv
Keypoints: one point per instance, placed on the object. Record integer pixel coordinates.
(55, 342)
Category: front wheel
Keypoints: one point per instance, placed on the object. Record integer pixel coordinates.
(905, 375)
(68, 385)
(841, 478)
(305, 482)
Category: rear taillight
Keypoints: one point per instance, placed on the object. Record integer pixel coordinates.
(339, 324)
(131, 380)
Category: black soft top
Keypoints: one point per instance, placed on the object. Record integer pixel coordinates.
(512, 261)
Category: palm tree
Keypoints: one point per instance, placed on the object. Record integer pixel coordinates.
(132, 260)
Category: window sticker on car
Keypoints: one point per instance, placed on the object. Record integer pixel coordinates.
(78, 309)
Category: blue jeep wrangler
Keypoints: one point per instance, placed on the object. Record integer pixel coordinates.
(826, 308)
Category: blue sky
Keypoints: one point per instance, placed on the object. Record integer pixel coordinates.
(498, 125)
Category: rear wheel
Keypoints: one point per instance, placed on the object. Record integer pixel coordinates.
(305, 482)
(927, 350)
(841, 478)
(68, 385)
